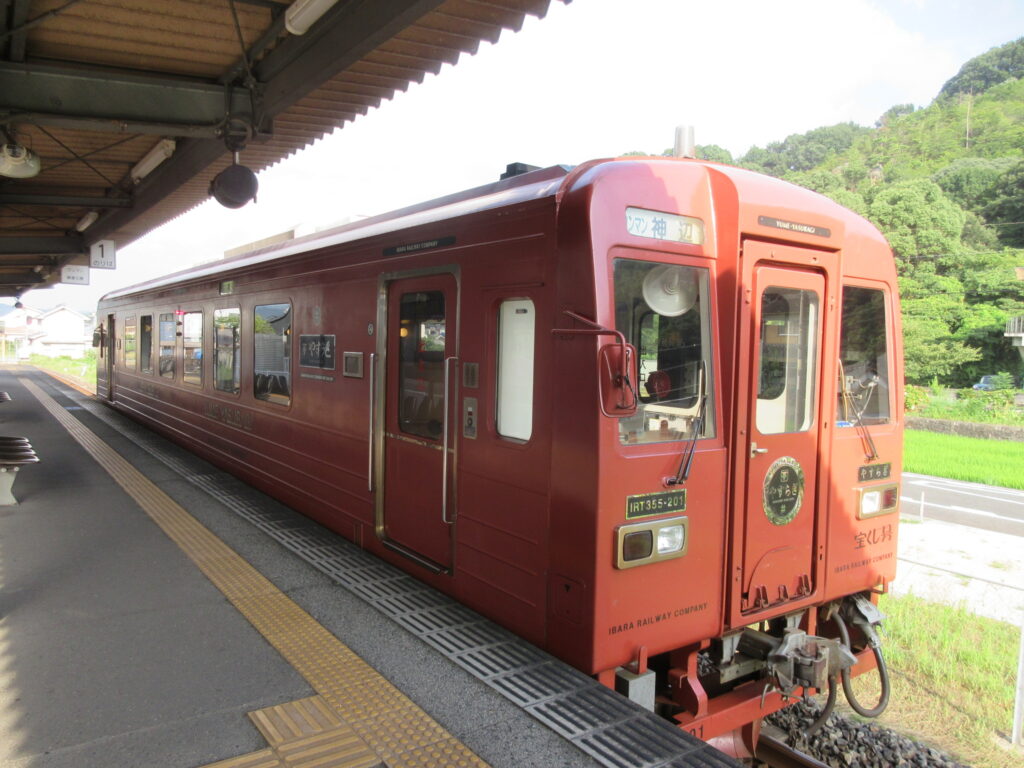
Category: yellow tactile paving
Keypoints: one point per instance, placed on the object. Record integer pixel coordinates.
(377, 712)
(336, 748)
(294, 720)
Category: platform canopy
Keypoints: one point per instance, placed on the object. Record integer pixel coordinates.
(115, 115)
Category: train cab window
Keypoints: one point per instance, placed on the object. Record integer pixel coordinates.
(789, 355)
(168, 336)
(192, 338)
(421, 364)
(227, 350)
(146, 343)
(863, 392)
(129, 343)
(272, 350)
(663, 310)
(516, 324)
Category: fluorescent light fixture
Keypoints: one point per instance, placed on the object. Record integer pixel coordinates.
(303, 14)
(153, 158)
(18, 162)
(86, 221)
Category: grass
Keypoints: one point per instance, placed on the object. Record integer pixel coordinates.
(966, 405)
(79, 368)
(953, 676)
(993, 462)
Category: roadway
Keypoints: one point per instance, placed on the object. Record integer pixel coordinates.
(988, 507)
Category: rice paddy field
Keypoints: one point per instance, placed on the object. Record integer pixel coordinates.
(992, 462)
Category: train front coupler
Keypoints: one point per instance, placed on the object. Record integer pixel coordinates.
(797, 661)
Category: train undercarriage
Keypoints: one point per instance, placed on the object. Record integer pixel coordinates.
(720, 690)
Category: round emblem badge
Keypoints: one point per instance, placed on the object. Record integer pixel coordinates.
(783, 490)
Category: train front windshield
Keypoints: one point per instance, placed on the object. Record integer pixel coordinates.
(663, 311)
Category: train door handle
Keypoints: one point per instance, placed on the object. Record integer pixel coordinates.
(373, 410)
(444, 443)
(754, 450)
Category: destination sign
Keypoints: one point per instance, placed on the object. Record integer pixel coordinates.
(664, 226)
(317, 351)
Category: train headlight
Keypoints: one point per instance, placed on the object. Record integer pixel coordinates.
(878, 500)
(671, 539)
(651, 542)
(870, 503)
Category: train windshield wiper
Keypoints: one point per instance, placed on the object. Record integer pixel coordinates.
(850, 405)
(686, 463)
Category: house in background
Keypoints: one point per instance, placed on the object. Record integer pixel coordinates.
(61, 331)
(17, 324)
(54, 332)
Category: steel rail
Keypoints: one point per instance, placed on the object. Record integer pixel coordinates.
(775, 752)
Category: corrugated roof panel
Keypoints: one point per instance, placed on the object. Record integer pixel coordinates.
(435, 35)
(449, 20)
(509, 16)
(175, 37)
(420, 50)
(197, 39)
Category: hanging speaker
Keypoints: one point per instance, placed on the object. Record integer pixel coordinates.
(670, 291)
(235, 186)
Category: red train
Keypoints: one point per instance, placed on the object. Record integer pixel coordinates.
(644, 412)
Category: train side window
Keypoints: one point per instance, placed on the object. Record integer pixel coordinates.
(516, 330)
(168, 335)
(421, 363)
(129, 343)
(664, 311)
(863, 393)
(788, 372)
(146, 343)
(272, 361)
(227, 374)
(192, 337)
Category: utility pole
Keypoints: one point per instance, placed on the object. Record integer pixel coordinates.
(970, 98)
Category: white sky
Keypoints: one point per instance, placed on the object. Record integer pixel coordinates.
(596, 78)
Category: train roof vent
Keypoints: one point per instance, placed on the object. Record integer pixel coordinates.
(517, 169)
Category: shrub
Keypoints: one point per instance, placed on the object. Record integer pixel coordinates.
(1002, 380)
(915, 398)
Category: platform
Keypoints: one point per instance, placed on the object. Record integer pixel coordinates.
(157, 612)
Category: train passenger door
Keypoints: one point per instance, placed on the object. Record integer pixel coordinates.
(783, 434)
(111, 351)
(415, 500)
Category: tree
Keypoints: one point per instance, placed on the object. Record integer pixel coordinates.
(894, 113)
(714, 153)
(1005, 209)
(918, 220)
(929, 352)
(803, 151)
(969, 180)
(1005, 62)
(933, 312)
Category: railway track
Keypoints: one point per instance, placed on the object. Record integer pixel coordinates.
(774, 752)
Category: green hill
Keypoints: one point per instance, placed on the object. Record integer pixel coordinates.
(945, 184)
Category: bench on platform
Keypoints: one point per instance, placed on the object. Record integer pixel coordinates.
(15, 452)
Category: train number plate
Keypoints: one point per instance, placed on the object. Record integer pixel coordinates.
(646, 504)
(874, 472)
